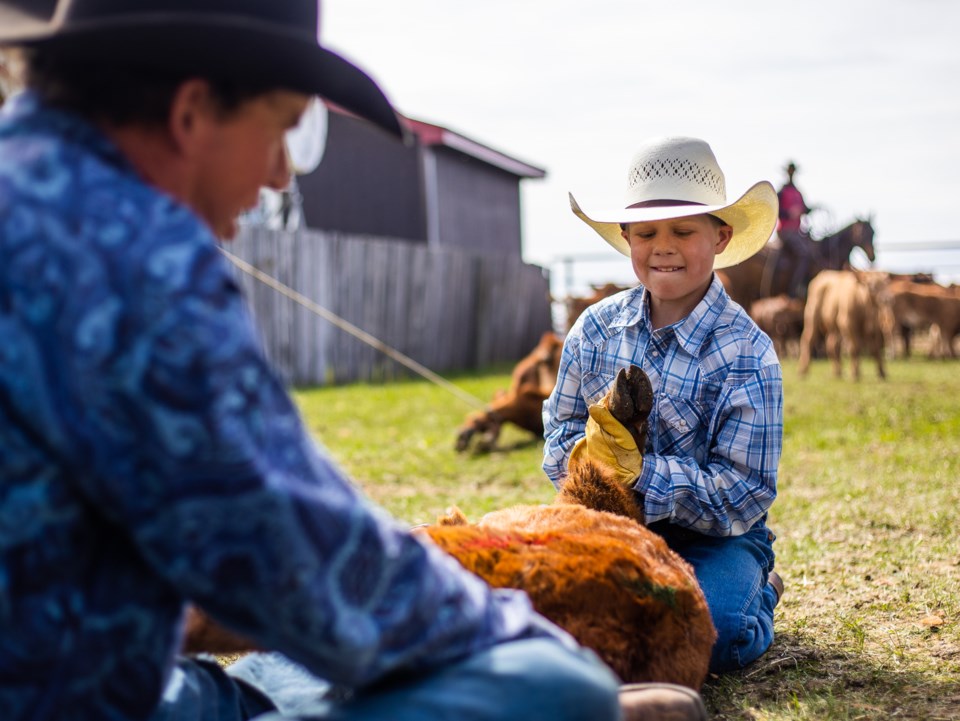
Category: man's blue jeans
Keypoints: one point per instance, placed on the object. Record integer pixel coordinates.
(733, 573)
(535, 679)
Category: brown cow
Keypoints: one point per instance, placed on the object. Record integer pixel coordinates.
(587, 563)
(781, 318)
(844, 310)
(899, 331)
(917, 306)
(589, 566)
(532, 381)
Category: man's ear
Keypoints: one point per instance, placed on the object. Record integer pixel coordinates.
(190, 113)
(724, 234)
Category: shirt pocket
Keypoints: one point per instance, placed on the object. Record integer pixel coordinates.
(682, 425)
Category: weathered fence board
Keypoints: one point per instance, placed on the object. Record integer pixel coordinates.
(448, 309)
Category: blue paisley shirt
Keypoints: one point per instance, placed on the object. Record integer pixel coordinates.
(716, 428)
(150, 456)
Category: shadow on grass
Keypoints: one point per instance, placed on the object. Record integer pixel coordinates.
(795, 680)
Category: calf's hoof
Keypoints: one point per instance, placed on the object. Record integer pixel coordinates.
(631, 400)
(463, 439)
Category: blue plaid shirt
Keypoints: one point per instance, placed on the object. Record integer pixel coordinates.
(150, 456)
(716, 429)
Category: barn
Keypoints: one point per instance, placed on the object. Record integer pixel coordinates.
(417, 244)
(442, 188)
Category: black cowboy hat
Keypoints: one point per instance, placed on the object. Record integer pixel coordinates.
(273, 42)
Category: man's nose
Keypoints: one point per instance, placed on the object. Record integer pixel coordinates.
(281, 169)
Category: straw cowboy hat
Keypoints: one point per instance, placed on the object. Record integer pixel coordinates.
(678, 177)
(273, 42)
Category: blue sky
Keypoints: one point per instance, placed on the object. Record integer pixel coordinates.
(863, 95)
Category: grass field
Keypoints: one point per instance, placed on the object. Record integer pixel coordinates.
(867, 520)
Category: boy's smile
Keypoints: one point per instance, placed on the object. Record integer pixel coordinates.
(673, 259)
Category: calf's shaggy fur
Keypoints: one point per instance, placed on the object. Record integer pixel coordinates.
(589, 565)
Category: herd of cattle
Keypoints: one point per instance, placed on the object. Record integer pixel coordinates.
(871, 308)
(852, 312)
(871, 311)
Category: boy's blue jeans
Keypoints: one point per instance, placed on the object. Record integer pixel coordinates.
(733, 573)
(534, 680)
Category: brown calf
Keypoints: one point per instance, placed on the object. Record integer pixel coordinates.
(586, 561)
(588, 565)
(532, 381)
(917, 306)
(843, 310)
(781, 318)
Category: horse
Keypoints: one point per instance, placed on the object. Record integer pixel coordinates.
(763, 275)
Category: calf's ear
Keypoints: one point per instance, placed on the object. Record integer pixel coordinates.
(453, 517)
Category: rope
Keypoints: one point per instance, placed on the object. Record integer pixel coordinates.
(353, 330)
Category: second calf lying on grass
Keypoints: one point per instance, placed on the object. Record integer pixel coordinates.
(521, 404)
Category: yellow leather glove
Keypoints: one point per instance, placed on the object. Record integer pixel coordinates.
(607, 442)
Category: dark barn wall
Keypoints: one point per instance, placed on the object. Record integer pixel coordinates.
(367, 183)
(478, 205)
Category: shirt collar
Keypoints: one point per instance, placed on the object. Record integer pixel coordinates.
(692, 331)
(635, 310)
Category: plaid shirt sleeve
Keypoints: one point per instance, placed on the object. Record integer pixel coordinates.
(564, 412)
(734, 488)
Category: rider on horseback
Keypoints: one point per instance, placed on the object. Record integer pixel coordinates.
(795, 242)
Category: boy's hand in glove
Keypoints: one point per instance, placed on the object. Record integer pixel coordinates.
(616, 431)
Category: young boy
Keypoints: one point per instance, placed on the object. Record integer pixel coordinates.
(708, 473)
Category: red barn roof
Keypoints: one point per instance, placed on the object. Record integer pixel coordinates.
(430, 134)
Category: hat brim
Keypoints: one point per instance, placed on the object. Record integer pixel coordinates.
(753, 218)
(222, 48)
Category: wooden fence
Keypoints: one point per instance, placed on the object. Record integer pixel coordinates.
(447, 309)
